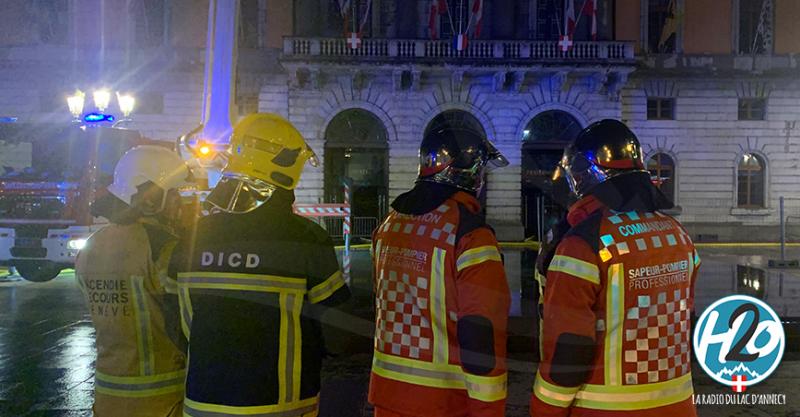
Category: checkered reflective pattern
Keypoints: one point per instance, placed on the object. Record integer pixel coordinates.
(446, 233)
(656, 338)
(403, 326)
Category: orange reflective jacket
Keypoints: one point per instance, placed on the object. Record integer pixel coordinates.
(431, 271)
(624, 283)
(139, 371)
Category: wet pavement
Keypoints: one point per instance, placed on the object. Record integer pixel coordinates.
(47, 344)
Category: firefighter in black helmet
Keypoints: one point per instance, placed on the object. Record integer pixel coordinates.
(441, 295)
(608, 326)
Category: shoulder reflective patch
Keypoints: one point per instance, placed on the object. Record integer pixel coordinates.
(325, 289)
(477, 255)
(575, 267)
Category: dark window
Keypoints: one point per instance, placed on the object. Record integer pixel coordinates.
(751, 179)
(752, 108)
(662, 173)
(661, 25)
(456, 20)
(149, 103)
(549, 20)
(149, 22)
(52, 20)
(661, 109)
(248, 23)
(755, 26)
(357, 18)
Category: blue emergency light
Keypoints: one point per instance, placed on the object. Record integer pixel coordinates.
(95, 117)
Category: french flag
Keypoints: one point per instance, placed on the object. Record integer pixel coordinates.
(460, 42)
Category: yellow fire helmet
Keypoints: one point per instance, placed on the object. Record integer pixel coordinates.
(266, 152)
(265, 146)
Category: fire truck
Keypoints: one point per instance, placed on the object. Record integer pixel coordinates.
(45, 193)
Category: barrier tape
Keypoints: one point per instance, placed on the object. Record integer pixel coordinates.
(532, 245)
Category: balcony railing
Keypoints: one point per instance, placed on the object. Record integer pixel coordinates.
(420, 49)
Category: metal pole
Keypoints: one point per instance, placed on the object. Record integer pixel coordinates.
(346, 230)
(783, 231)
(219, 83)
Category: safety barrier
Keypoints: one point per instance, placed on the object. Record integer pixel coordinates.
(334, 210)
(533, 245)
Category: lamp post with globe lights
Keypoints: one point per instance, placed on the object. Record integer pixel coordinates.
(102, 99)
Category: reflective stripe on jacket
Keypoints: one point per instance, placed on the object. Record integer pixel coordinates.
(140, 370)
(426, 279)
(631, 298)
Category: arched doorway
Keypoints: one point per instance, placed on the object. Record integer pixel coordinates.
(543, 142)
(456, 118)
(464, 120)
(356, 149)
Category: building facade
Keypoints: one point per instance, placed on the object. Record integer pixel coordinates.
(710, 87)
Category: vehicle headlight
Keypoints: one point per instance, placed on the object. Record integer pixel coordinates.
(76, 244)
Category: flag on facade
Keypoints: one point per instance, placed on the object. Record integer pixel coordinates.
(436, 10)
(353, 40)
(590, 9)
(565, 43)
(344, 7)
(670, 26)
(460, 42)
(476, 18)
(569, 18)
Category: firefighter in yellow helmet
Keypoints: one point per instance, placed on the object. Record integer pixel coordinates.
(244, 278)
(122, 271)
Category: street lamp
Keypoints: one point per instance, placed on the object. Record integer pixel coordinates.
(126, 104)
(101, 99)
(75, 103)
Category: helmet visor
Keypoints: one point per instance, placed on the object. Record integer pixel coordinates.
(239, 194)
(495, 159)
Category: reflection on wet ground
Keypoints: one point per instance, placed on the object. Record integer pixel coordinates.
(47, 340)
(46, 350)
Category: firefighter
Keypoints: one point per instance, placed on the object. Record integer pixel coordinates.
(618, 292)
(442, 300)
(122, 271)
(252, 267)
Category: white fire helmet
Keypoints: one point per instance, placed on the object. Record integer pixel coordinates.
(156, 164)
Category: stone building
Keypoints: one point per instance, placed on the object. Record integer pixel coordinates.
(715, 102)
